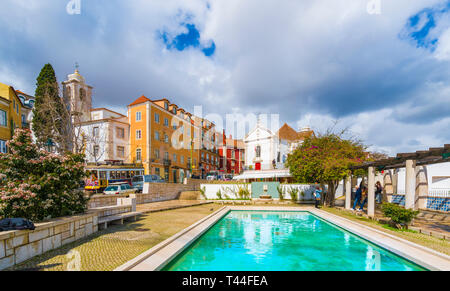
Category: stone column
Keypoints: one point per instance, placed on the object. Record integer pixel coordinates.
(348, 192)
(371, 192)
(421, 187)
(394, 181)
(410, 184)
(387, 186)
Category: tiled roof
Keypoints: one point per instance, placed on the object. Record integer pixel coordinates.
(304, 134)
(140, 100)
(288, 133)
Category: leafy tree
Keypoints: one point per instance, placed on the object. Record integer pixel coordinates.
(325, 159)
(51, 119)
(36, 184)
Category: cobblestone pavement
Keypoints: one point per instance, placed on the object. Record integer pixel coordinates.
(110, 248)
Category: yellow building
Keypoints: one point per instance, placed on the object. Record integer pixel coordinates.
(161, 137)
(10, 114)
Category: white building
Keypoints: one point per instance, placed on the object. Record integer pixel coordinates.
(267, 150)
(104, 134)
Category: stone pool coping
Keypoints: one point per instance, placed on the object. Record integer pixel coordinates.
(160, 255)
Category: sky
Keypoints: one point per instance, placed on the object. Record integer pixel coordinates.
(380, 68)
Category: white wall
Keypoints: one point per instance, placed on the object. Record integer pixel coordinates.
(212, 189)
(438, 176)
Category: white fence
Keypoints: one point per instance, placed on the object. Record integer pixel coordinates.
(445, 193)
(230, 191)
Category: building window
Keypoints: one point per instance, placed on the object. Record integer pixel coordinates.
(157, 172)
(174, 110)
(95, 132)
(166, 105)
(121, 152)
(3, 148)
(156, 135)
(120, 132)
(166, 138)
(138, 116)
(166, 155)
(166, 122)
(3, 118)
(138, 155)
(182, 159)
(258, 151)
(156, 117)
(174, 127)
(174, 158)
(138, 134)
(96, 150)
(156, 154)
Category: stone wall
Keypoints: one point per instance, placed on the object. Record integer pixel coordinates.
(20, 245)
(102, 200)
(111, 210)
(168, 191)
(197, 182)
(153, 192)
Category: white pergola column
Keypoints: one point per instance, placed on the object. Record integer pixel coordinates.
(371, 192)
(410, 184)
(348, 191)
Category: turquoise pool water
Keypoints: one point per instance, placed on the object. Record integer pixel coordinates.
(283, 241)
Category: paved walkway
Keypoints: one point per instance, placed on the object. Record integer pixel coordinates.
(109, 248)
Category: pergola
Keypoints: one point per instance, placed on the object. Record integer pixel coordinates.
(403, 160)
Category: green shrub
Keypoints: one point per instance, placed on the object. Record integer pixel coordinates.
(243, 192)
(219, 195)
(280, 192)
(293, 191)
(397, 213)
(203, 192)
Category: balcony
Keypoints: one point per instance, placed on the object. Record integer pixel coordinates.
(167, 162)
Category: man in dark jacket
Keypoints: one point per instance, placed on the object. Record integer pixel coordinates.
(357, 197)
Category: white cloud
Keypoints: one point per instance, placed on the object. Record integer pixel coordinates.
(309, 61)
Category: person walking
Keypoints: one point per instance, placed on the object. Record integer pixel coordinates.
(357, 197)
(378, 191)
(363, 198)
(318, 195)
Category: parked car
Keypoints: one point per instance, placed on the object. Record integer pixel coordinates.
(212, 175)
(119, 188)
(228, 177)
(138, 181)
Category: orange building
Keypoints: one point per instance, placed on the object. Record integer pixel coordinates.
(162, 136)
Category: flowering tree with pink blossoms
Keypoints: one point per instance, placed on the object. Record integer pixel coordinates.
(38, 185)
(325, 159)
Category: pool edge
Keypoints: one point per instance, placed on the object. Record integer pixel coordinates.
(160, 255)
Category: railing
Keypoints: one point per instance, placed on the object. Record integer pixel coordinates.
(443, 193)
(167, 162)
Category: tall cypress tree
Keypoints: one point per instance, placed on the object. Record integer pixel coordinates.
(46, 124)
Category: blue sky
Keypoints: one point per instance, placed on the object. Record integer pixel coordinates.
(385, 76)
(186, 40)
